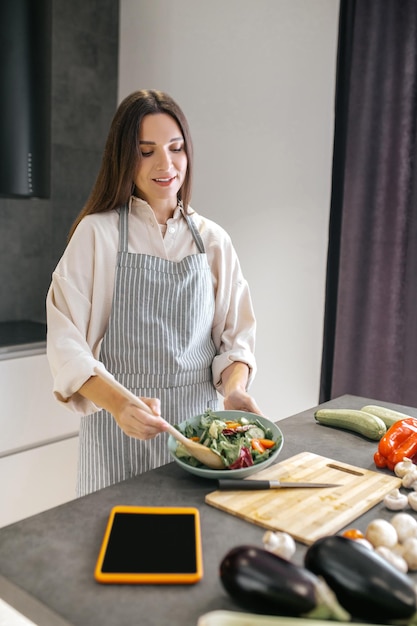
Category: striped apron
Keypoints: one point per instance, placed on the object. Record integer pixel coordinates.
(158, 344)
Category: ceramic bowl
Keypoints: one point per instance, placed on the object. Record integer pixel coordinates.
(206, 472)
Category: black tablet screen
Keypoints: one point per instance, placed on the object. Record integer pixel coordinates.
(151, 543)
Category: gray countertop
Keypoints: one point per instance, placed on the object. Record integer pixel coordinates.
(47, 561)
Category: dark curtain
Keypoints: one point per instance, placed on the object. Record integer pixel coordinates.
(370, 326)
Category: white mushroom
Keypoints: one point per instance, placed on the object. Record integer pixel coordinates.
(403, 467)
(410, 552)
(381, 533)
(395, 500)
(412, 500)
(398, 549)
(270, 540)
(364, 542)
(279, 543)
(405, 525)
(392, 557)
(409, 478)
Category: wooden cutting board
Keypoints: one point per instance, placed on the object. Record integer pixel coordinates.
(308, 514)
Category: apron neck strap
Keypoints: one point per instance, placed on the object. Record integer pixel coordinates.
(194, 231)
(123, 228)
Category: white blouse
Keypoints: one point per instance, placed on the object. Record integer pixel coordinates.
(79, 299)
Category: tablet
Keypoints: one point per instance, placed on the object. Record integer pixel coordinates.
(151, 545)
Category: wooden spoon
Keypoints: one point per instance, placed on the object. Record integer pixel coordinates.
(197, 450)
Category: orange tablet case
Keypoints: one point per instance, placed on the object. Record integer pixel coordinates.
(103, 575)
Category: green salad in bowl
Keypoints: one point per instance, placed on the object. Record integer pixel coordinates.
(246, 442)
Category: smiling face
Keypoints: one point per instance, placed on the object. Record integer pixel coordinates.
(163, 165)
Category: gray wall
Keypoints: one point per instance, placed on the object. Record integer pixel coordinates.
(84, 97)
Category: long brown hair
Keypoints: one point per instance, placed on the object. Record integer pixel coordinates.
(114, 183)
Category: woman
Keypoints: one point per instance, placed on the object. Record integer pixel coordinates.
(150, 291)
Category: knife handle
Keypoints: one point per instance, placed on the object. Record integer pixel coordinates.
(239, 485)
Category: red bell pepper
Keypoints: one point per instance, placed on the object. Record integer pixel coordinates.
(398, 443)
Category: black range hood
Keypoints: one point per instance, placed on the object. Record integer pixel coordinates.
(25, 97)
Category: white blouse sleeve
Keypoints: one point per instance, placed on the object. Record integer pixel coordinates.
(73, 335)
(234, 327)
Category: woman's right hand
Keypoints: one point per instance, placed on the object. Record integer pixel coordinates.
(134, 421)
(138, 423)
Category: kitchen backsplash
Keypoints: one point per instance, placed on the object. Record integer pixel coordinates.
(84, 97)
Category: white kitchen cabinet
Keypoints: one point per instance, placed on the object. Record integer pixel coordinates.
(37, 479)
(38, 441)
(29, 414)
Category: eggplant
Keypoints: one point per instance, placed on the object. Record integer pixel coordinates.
(365, 584)
(266, 583)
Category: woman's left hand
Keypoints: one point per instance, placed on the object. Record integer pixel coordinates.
(239, 400)
(236, 398)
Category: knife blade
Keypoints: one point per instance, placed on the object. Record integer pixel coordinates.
(239, 485)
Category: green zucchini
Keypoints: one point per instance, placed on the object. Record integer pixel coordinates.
(388, 416)
(366, 424)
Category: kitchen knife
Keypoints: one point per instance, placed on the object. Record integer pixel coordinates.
(239, 485)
